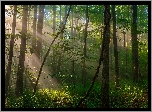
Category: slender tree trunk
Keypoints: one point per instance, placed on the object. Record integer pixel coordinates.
(54, 19)
(72, 36)
(61, 35)
(111, 52)
(54, 30)
(34, 28)
(85, 48)
(29, 17)
(135, 44)
(65, 12)
(39, 30)
(61, 25)
(19, 82)
(111, 46)
(127, 53)
(7, 79)
(124, 39)
(60, 53)
(105, 47)
(60, 19)
(124, 34)
(115, 47)
(127, 44)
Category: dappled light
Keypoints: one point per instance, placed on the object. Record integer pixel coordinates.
(76, 56)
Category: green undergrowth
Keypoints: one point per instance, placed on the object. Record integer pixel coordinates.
(44, 98)
(128, 95)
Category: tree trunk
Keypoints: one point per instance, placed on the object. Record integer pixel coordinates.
(7, 79)
(54, 30)
(29, 17)
(111, 52)
(134, 44)
(105, 47)
(34, 28)
(60, 53)
(85, 48)
(124, 33)
(72, 36)
(19, 82)
(61, 36)
(61, 23)
(115, 47)
(39, 30)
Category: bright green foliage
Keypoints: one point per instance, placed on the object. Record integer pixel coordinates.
(126, 96)
(44, 98)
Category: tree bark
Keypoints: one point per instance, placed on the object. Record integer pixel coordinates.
(54, 30)
(61, 35)
(72, 36)
(29, 17)
(39, 30)
(34, 28)
(105, 47)
(60, 53)
(85, 48)
(19, 82)
(7, 79)
(115, 47)
(134, 44)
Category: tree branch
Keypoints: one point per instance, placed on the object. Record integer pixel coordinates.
(50, 49)
(100, 60)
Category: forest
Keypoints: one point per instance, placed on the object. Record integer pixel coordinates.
(76, 56)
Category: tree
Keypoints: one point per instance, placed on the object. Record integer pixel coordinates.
(59, 58)
(127, 43)
(72, 36)
(39, 30)
(85, 49)
(115, 46)
(54, 30)
(19, 82)
(7, 79)
(34, 28)
(134, 44)
(61, 34)
(47, 53)
(61, 23)
(29, 17)
(105, 55)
